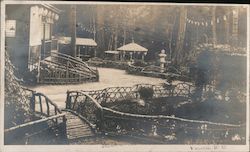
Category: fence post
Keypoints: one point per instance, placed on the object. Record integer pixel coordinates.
(38, 69)
(32, 103)
(68, 101)
(64, 130)
(101, 117)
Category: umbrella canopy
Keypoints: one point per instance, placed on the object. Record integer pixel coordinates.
(79, 41)
(133, 47)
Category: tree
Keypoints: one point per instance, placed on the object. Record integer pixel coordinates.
(181, 34)
(214, 37)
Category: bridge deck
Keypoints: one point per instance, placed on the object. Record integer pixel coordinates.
(77, 128)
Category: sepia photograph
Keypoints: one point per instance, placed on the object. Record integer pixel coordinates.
(126, 74)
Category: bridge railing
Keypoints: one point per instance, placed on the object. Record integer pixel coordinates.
(85, 106)
(163, 127)
(64, 58)
(42, 105)
(61, 68)
(98, 62)
(47, 124)
(114, 94)
(41, 131)
(168, 128)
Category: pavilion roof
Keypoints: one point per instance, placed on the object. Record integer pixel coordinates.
(79, 41)
(133, 47)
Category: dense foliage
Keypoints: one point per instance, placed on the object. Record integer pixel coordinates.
(16, 108)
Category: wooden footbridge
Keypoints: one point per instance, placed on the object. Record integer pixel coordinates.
(60, 68)
(49, 125)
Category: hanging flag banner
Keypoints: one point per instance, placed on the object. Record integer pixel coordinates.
(218, 20)
(225, 17)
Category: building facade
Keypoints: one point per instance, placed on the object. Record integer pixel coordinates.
(29, 34)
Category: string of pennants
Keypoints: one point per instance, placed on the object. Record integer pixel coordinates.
(188, 20)
(91, 29)
(207, 23)
(84, 28)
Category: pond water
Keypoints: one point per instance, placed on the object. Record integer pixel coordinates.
(108, 78)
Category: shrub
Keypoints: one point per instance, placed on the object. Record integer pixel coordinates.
(139, 63)
(146, 93)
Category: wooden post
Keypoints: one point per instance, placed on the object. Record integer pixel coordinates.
(32, 103)
(95, 52)
(47, 106)
(73, 29)
(41, 105)
(67, 70)
(43, 42)
(38, 69)
(79, 51)
(131, 55)
(68, 101)
(64, 130)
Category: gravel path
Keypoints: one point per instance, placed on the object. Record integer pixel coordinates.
(108, 78)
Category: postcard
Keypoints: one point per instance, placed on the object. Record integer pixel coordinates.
(119, 76)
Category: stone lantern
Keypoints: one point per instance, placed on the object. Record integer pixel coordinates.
(162, 57)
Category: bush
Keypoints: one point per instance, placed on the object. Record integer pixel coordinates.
(140, 63)
(146, 93)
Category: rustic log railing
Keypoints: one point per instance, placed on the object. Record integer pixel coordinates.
(97, 62)
(64, 69)
(42, 105)
(155, 71)
(164, 127)
(161, 127)
(64, 58)
(86, 107)
(52, 129)
(113, 94)
(39, 122)
(48, 122)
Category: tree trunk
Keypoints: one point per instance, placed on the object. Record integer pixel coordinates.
(116, 35)
(226, 27)
(100, 29)
(214, 37)
(73, 30)
(180, 35)
(235, 27)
